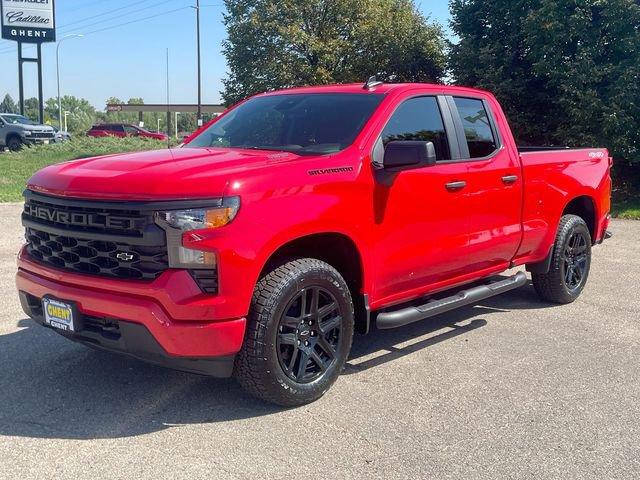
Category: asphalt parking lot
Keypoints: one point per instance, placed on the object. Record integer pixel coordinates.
(512, 388)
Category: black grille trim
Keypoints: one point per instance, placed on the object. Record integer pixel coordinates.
(207, 279)
(44, 135)
(97, 257)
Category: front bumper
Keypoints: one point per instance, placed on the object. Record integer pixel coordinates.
(167, 321)
(37, 141)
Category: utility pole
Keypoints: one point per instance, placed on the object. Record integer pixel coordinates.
(199, 119)
(40, 94)
(168, 106)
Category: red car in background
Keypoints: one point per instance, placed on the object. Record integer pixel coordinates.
(123, 130)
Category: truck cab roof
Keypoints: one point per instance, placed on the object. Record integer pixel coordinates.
(383, 88)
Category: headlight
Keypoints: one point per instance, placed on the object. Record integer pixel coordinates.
(203, 218)
(27, 133)
(178, 222)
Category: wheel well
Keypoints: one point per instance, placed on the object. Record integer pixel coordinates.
(337, 250)
(13, 135)
(584, 208)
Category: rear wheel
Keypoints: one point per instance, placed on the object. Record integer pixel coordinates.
(570, 263)
(299, 333)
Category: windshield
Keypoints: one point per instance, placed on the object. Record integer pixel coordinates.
(300, 123)
(17, 120)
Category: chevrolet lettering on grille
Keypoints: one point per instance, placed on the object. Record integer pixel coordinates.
(79, 219)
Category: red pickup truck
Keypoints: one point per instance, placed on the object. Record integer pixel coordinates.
(298, 218)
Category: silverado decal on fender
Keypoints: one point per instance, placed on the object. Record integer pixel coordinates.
(326, 171)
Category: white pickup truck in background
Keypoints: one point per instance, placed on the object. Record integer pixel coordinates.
(18, 130)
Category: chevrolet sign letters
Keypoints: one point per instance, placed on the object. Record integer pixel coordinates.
(79, 219)
(28, 21)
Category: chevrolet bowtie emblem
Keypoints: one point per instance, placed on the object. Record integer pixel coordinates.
(124, 256)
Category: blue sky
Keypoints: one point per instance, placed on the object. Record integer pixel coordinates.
(129, 60)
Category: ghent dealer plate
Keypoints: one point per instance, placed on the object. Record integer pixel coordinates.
(58, 314)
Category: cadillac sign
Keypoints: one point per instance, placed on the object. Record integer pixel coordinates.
(28, 21)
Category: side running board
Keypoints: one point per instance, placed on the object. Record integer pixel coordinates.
(405, 316)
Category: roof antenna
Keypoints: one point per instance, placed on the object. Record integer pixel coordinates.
(371, 83)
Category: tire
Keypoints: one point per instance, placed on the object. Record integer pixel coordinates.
(14, 144)
(277, 342)
(570, 263)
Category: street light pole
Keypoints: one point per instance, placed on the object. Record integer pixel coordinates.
(73, 35)
(199, 119)
(65, 121)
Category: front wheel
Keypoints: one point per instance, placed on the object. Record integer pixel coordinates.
(570, 263)
(14, 144)
(299, 333)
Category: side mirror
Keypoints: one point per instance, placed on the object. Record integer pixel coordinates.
(406, 155)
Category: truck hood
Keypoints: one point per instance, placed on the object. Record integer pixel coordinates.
(183, 173)
(38, 128)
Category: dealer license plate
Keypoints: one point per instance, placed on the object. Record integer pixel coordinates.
(58, 314)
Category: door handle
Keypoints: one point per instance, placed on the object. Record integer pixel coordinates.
(455, 186)
(509, 179)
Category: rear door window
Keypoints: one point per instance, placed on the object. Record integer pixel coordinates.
(477, 127)
(418, 119)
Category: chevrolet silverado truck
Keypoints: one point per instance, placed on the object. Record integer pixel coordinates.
(299, 217)
(18, 130)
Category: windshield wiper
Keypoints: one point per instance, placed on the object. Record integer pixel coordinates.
(270, 149)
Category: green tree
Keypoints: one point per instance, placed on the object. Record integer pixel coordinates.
(81, 113)
(565, 70)
(274, 44)
(32, 109)
(8, 105)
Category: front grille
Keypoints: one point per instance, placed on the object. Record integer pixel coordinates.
(41, 135)
(118, 240)
(97, 257)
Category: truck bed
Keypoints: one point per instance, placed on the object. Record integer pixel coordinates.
(528, 149)
(545, 155)
(550, 173)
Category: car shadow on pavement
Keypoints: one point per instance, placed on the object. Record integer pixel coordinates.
(380, 346)
(53, 388)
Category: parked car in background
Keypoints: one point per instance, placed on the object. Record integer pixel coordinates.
(123, 130)
(18, 130)
(61, 135)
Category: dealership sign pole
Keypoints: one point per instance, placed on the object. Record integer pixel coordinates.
(29, 21)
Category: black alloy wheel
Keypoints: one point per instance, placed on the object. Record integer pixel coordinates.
(299, 332)
(570, 263)
(575, 260)
(308, 342)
